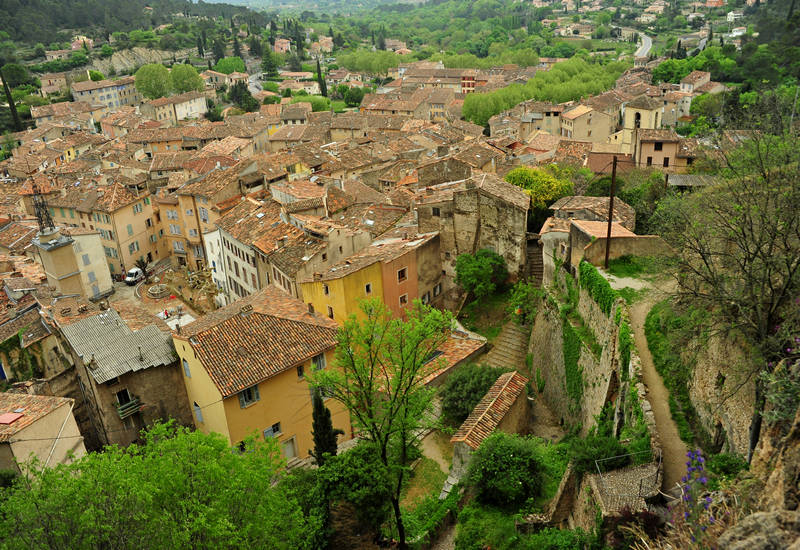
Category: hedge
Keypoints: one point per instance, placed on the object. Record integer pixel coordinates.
(597, 286)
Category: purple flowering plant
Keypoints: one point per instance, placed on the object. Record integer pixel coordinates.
(697, 515)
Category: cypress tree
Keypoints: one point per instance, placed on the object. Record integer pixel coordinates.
(322, 429)
(323, 87)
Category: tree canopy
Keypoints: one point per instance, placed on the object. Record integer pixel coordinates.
(184, 78)
(481, 273)
(230, 65)
(153, 81)
(179, 489)
(544, 185)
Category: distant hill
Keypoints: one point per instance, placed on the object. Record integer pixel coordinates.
(41, 20)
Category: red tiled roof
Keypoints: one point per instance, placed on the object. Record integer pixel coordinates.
(240, 348)
(490, 411)
(34, 408)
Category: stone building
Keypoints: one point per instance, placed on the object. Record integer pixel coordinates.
(480, 212)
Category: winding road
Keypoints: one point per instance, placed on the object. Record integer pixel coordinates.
(644, 49)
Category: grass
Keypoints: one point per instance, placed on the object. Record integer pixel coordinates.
(486, 316)
(425, 479)
(667, 333)
(631, 295)
(637, 266)
(338, 106)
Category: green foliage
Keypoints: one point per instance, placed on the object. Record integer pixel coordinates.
(666, 333)
(565, 81)
(597, 286)
(270, 64)
(726, 465)
(524, 302)
(428, 514)
(230, 65)
(362, 479)
(184, 78)
(571, 343)
(354, 96)
(322, 430)
(584, 452)
(152, 81)
(270, 87)
(240, 96)
(96, 76)
(76, 59)
(187, 488)
(481, 527)
(481, 273)
(782, 393)
(486, 315)
(318, 103)
(7, 478)
(625, 343)
(505, 470)
(635, 266)
(378, 62)
(106, 51)
(464, 388)
(542, 185)
(381, 364)
(16, 75)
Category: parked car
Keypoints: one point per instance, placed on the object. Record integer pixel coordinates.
(134, 276)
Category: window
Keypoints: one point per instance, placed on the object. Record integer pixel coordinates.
(189, 212)
(324, 257)
(330, 312)
(325, 289)
(649, 161)
(368, 288)
(203, 214)
(659, 146)
(436, 212)
(437, 289)
(85, 259)
(193, 232)
(92, 277)
(403, 299)
(172, 214)
(248, 396)
(198, 413)
(130, 230)
(177, 246)
(253, 279)
(273, 431)
(318, 362)
(137, 208)
(186, 370)
(402, 275)
(666, 162)
(301, 371)
(148, 222)
(134, 247)
(174, 229)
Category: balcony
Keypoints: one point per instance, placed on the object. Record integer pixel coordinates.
(131, 407)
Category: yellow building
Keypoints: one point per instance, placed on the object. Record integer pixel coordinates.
(245, 368)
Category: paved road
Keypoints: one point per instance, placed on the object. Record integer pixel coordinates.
(644, 49)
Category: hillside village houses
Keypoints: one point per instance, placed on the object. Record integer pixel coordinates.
(293, 217)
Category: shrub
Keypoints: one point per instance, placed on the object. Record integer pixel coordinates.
(571, 343)
(429, 514)
(597, 286)
(625, 343)
(584, 452)
(524, 301)
(505, 470)
(360, 478)
(481, 273)
(463, 390)
(726, 465)
(617, 527)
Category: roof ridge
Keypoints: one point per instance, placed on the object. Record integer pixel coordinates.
(493, 401)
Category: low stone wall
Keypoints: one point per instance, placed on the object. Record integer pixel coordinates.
(640, 245)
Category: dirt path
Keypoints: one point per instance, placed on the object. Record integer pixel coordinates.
(674, 450)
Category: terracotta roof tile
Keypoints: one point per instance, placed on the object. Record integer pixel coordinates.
(256, 338)
(490, 411)
(33, 407)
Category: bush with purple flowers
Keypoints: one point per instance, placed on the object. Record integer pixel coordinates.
(697, 503)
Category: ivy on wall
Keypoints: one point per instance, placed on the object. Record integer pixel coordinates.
(597, 286)
(572, 353)
(625, 343)
(26, 365)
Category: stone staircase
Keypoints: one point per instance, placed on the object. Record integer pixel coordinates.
(510, 347)
(535, 262)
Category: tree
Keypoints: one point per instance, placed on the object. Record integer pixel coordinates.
(506, 470)
(184, 78)
(200, 50)
(464, 388)
(179, 488)
(106, 51)
(354, 96)
(322, 430)
(152, 80)
(96, 76)
(237, 49)
(269, 64)
(739, 244)
(323, 87)
(242, 98)
(295, 63)
(230, 65)
(379, 376)
(218, 49)
(16, 74)
(39, 50)
(481, 273)
(256, 48)
(542, 185)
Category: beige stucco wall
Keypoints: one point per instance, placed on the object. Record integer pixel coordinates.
(43, 436)
(89, 246)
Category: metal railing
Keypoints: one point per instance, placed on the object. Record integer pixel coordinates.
(634, 490)
(131, 407)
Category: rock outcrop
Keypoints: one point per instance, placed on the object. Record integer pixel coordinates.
(126, 61)
(764, 531)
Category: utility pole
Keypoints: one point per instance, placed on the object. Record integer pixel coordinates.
(611, 207)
